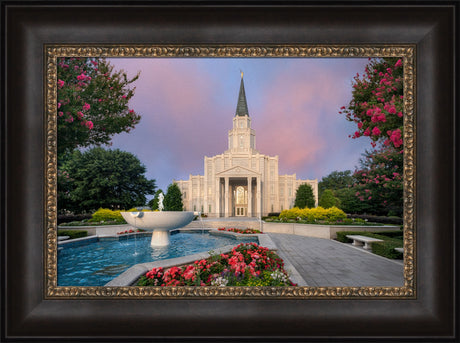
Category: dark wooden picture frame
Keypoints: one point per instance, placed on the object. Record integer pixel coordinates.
(27, 314)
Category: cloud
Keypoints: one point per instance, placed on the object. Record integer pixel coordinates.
(187, 107)
(299, 118)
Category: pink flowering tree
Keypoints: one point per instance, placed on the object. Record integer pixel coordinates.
(92, 103)
(377, 109)
(377, 103)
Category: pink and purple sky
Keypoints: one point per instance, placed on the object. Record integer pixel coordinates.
(187, 106)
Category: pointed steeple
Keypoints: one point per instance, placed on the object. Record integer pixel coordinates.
(242, 106)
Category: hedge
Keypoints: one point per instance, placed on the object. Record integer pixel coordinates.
(67, 218)
(378, 219)
(312, 214)
(105, 214)
(73, 233)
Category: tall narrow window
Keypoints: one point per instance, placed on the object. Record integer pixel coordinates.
(240, 196)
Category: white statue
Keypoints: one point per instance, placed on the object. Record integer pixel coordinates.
(160, 201)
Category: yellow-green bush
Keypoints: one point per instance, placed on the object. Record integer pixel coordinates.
(313, 214)
(105, 214)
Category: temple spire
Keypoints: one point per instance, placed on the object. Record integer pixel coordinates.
(242, 106)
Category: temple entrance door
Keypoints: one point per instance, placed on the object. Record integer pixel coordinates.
(241, 201)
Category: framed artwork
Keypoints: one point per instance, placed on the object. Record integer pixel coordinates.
(418, 39)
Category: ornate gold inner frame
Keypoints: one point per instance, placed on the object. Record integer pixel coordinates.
(406, 52)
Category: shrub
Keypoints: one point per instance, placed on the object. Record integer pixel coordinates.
(387, 248)
(105, 214)
(314, 214)
(378, 219)
(392, 234)
(73, 233)
(67, 218)
(273, 214)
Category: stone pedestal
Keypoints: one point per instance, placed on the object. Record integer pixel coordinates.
(160, 238)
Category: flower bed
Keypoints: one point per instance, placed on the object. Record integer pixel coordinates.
(244, 232)
(246, 265)
(127, 231)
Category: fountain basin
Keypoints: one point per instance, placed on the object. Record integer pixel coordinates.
(160, 223)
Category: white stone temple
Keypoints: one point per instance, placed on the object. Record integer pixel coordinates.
(241, 182)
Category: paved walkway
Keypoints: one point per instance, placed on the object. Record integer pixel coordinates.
(324, 262)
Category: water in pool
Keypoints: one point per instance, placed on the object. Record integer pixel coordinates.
(95, 264)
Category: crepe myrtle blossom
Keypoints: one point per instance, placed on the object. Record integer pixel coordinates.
(377, 104)
(92, 103)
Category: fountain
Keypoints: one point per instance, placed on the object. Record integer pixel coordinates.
(160, 223)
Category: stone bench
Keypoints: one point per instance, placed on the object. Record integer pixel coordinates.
(401, 250)
(360, 240)
(63, 238)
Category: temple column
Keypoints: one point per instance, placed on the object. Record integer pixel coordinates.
(259, 198)
(217, 197)
(226, 206)
(249, 196)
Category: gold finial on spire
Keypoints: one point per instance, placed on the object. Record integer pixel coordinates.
(241, 73)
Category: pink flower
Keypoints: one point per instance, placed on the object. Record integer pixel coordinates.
(61, 83)
(367, 132)
(61, 114)
(360, 125)
(395, 137)
(86, 107)
(89, 124)
(399, 63)
(123, 96)
(376, 131)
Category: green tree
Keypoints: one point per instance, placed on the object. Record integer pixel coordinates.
(380, 181)
(153, 204)
(304, 197)
(103, 178)
(92, 103)
(173, 199)
(349, 202)
(335, 180)
(328, 199)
